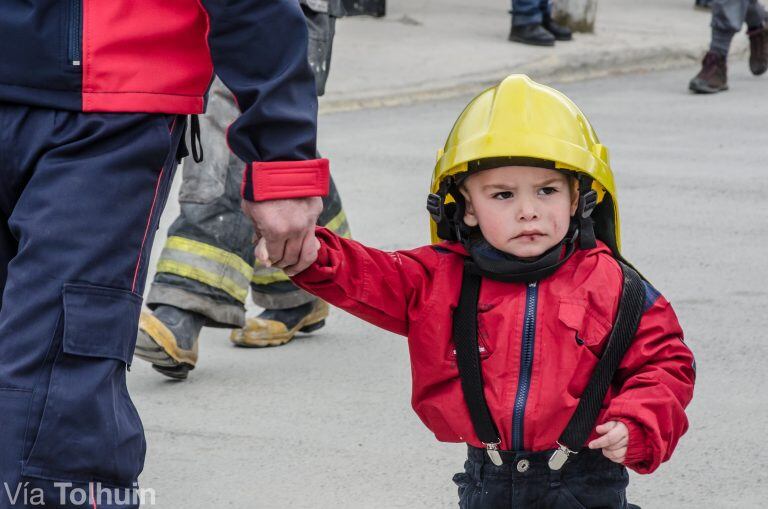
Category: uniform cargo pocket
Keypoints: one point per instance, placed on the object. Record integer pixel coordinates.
(90, 429)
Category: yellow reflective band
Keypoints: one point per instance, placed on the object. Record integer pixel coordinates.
(336, 222)
(212, 253)
(203, 276)
(268, 278)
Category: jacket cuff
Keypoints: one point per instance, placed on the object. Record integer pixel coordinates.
(285, 179)
(639, 454)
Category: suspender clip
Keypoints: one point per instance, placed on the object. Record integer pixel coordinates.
(493, 452)
(559, 457)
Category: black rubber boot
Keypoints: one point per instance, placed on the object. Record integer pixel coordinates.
(758, 50)
(168, 339)
(713, 76)
(561, 33)
(535, 35)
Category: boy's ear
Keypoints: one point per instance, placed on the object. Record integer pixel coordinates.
(574, 195)
(469, 211)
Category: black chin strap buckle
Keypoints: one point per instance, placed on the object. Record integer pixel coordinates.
(435, 207)
(587, 203)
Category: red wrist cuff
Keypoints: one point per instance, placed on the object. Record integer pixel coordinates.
(285, 179)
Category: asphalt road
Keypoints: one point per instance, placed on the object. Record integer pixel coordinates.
(325, 422)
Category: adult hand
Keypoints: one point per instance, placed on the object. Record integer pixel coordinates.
(286, 230)
(613, 442)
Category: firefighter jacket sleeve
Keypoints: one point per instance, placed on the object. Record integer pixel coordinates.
(655, 380)
(259, 50)
(383, 288)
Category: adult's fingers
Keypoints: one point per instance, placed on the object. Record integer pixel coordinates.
(291, 253)
(309, 250)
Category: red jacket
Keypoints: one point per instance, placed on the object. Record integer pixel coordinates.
(414, 293)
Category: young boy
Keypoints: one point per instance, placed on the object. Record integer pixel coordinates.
(513, 191)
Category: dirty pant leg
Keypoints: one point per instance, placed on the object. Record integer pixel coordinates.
(82, 197)
(730, 15)
(271, 288)
(526, 12)
(207, 261)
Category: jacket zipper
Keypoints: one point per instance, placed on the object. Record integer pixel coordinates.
(75, 32)
(526, 364)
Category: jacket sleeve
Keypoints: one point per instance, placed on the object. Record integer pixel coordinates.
(259, 50)
(655, 380)
(383, 288)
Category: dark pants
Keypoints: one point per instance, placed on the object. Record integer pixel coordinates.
(80, 201)
(527, 12)
(588, 480)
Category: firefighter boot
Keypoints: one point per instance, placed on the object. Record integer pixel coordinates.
(758, 50)
(276, 327)
(713, 76)
(168, 339)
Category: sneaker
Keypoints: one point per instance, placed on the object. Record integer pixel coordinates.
(758, 50)
(534, 34)
(275, 327)
(561, 33)
(713, 76)
(167, 338)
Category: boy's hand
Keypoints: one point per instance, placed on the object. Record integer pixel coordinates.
(310, 246)
(613, 442)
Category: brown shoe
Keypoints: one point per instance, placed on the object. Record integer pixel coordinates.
(275, 327)
(758, 50)
(713, 76)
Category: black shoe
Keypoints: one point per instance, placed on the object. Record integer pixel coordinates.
(561, 33)
(758, 50)
(167, 338)
(534, 34)
(703, 4)
(713, 76)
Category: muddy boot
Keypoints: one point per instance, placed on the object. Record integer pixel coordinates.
(168, 339)
(276, 327)
(561, 33)
(713, 76)
(534, 34)
(758, 50)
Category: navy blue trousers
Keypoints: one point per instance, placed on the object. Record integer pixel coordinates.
(80, 201)
(588, 480)
(527, 12)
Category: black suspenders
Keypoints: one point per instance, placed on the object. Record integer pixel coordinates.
(580, 426)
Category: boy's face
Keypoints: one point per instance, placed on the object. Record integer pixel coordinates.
(521, 210)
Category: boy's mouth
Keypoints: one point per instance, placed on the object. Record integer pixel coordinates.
(529, 235)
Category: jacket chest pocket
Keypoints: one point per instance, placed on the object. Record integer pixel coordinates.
(583, 327)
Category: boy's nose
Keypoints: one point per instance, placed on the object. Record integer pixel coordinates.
(527, 211)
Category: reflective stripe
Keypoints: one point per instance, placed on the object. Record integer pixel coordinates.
(336, 222)
(267, 276)
(212, 253)
(209, 278)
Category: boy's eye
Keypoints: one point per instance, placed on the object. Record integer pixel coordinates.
(547, 190)
(504, 195)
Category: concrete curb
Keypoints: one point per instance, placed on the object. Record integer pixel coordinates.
(595, 64)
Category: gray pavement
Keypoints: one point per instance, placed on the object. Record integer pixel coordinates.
(325, 421)
(427, 49)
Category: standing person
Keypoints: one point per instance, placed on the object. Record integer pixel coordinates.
(531, 339)
(532, 24)
(207, 266)
(93, 98)
(727, 18)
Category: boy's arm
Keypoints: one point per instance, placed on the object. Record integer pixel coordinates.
(656, 380)
(383, 288)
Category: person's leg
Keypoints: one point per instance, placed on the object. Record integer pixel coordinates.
(92, 188)
(727, 18)
(527, 19)
(757, 31)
